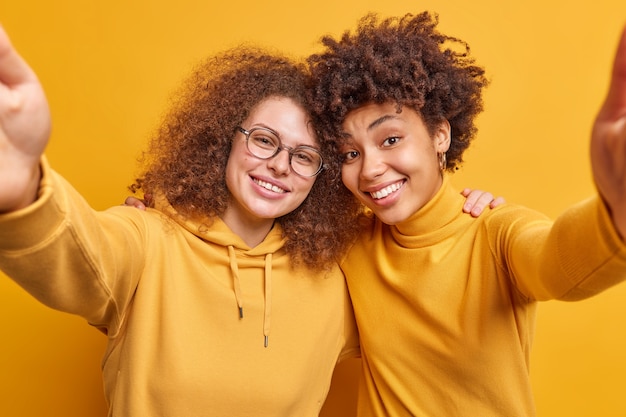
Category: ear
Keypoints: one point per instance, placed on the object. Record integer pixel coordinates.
(442, 137)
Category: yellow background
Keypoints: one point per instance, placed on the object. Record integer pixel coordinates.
(108, 67)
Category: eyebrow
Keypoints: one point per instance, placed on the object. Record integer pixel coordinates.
(315, 146)
(264, 126)
(373, 125)
(380, 121)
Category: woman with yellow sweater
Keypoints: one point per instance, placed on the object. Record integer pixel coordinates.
(225, 298)
(445, 303)
(215, 302)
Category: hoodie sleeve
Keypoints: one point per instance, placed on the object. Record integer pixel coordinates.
(71, 257)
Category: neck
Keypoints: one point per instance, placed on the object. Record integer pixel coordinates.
(250, 231)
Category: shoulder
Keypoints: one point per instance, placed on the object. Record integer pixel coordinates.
(511, 215)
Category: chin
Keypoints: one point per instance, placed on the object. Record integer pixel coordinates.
(388, 219)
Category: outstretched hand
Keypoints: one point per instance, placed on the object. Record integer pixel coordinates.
(24, 128)
(608, 143)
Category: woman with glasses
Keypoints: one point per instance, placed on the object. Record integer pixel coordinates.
(224, 298)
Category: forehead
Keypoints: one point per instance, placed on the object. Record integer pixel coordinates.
(276, 102)
(284, 116)
(372, 115)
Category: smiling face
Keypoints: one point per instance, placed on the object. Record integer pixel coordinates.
(264, 189)
(391, 163)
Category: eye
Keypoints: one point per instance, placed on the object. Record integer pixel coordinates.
(305, 157)
(263, 140)
(391, 141)
(349, 156)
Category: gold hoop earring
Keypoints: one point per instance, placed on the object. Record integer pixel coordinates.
(443, 162)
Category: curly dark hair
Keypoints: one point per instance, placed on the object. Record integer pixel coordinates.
(186, 158)
(404, 60)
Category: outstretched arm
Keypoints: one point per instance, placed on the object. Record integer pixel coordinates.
(24, 129)
(608, 143)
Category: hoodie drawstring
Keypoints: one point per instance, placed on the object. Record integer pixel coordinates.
(235, 270)
(268, 298)
(267, 295)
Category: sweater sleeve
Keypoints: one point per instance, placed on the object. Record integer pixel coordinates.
(351, 347)
(576, 257)
(71, 257)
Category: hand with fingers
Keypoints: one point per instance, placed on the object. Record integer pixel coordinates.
(477, 200)
(141, 204)
(24, 128)
(608, 143)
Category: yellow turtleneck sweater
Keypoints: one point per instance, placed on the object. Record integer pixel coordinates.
(445, 303)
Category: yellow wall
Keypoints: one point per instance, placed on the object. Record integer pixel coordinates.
(109, 66)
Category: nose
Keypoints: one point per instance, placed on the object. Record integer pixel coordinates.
(372, 166)
(279, 163)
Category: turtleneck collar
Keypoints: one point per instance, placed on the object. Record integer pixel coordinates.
(434, 220)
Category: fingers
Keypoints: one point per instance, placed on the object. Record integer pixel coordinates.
(614, 105)
(496, 202)
(23, 107)
(471, 196)
(608, 142)
(466, 192)
(477, 200)
(134, 202)
(13, 69)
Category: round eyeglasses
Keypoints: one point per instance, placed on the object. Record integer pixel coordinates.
(264, 143)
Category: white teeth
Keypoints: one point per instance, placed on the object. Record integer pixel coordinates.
(269, 186)
(386, 191)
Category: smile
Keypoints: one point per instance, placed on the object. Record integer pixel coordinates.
(377, 195)
(269, 186)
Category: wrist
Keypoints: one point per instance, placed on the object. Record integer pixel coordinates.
(19, 190)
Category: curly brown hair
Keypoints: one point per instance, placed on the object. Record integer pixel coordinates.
(186, 158)
(404, 60)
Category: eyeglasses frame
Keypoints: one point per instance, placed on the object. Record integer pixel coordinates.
(290, 150)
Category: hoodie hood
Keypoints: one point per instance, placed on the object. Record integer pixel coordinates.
(215, 231)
